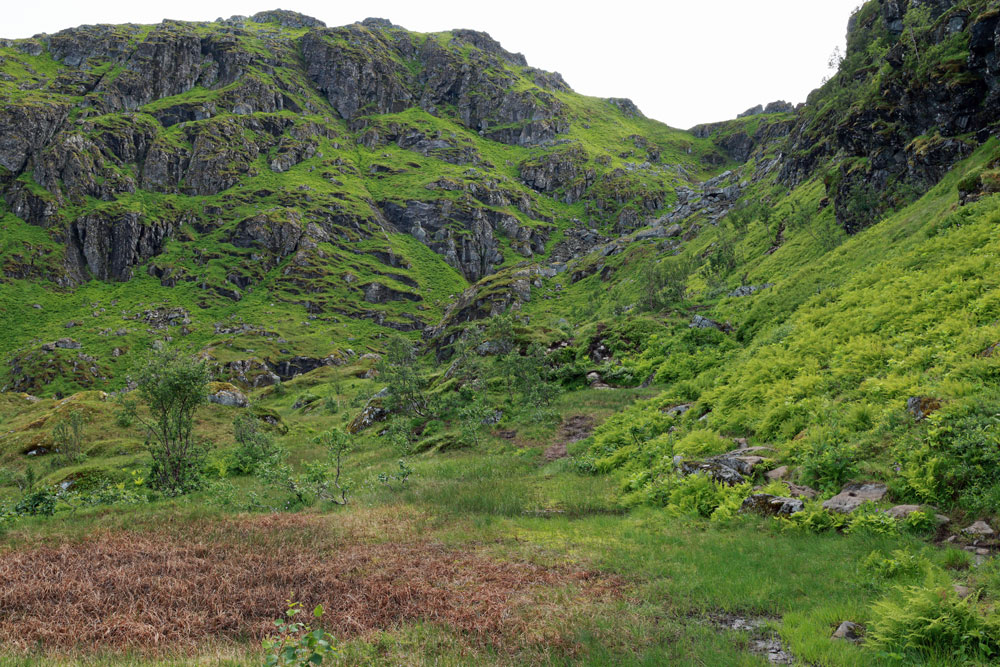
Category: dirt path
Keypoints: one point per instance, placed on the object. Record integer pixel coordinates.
(574, 429)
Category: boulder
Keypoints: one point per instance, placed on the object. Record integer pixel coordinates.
(779, 473)
(853, 495)
(745, 465)
(921, 406)
(677, 410)
(224, 393)
(717, 471)
(796, 491)
(372, 412)
(848, 631)
(68, 344)
(979, 529)
(769, 505)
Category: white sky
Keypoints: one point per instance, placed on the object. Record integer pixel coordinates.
(682, 61)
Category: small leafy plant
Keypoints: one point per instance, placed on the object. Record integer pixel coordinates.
(297, 643)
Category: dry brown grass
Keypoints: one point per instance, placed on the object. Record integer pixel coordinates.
(164, 591)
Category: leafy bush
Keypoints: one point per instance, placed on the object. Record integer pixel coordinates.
(254, 447)
(899, 563)
(296, 643)
(37, 503)
(701, 495)
(826, 463)
(869, 521)
(956, 455)
(68, 438)
(172, 386)
(700, 443)
(920, 622)
(813, 518)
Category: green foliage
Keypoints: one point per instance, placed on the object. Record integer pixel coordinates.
(699, 443)
(398, 369)
(664, 283)
(68, 438)
(866, 520)
(327, 478)
(826, 463)
(474, 416)
(931, 621)
(701, 495)
(900, 563)
(41, 502)
(172, 386)
(321, 480)
(400, 477)
(297, 644)
(958, 454)
(254, 447)
(815, 519)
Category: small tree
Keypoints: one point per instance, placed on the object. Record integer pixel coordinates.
(398, 369)
(68, 438)
(172, 386)
(337, 445)
(475, 416)
(254, 447)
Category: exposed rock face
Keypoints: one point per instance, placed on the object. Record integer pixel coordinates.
(209, 99)
(109, 247)
(476, 251)
(852, 496)
(359, 69)
(278, 234)
(559, 171)
(24, 130)
(224, 393)
(912, 134)
(768, 505)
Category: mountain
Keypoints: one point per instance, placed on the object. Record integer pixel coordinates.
(289, 175)
(581, 338)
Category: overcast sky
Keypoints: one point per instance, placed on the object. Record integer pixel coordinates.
(682, 61)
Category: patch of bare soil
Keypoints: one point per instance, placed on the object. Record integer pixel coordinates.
(574, 429)
(159, 592)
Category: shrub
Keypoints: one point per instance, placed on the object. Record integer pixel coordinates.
(920, 622)
(254, 447)
(899, 563)
(826, 463)
(297, 643)
(869, 521)
(37, 503)
(815, 519)
(699, 443)
(398, 369)
(68, 438)
(172, 386)
(700, 494)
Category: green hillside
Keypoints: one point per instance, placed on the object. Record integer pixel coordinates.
(497, 373)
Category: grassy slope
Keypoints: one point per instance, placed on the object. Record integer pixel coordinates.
(677, 574)
(338, 178)
(824, 360)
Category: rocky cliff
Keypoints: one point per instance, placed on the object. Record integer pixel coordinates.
(360, 175)
(917, 90)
